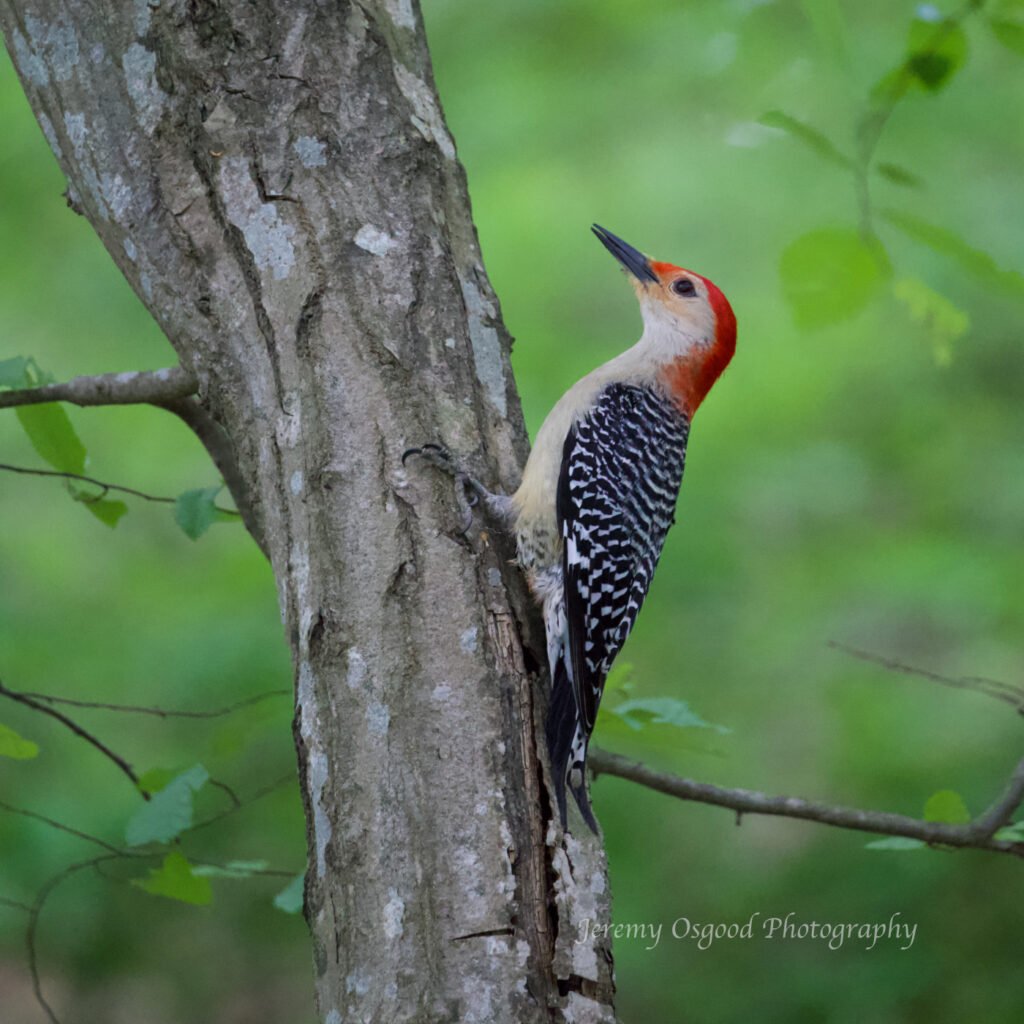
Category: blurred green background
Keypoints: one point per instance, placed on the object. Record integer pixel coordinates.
(860, 482)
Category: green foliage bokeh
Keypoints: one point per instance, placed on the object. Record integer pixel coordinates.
(857, 476)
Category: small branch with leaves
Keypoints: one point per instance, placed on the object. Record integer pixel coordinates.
(105, 488)
(29, 389)
(982, 833)
(950, 826)
(832, 273)
(154, 831)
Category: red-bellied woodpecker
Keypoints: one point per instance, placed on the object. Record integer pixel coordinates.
(599, 491)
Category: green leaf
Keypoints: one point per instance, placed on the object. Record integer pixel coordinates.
(233, 869)
(949, 244)
(809, 136)
(896, 843)
(289, 899)
(899, 175)
(944, 323)
(1011, 833)
(195, 512)
(641, 711)
(53, 436)
(831, 274)
(947, 807)
(16, 747)
(169, 812)
(1006, 19)
(936, 50)
(107, 510)
(177, 880)
(647, 738)
(14, 373)
(156, 779)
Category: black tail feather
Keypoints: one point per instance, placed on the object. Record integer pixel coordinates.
(561, 726)
(561, 730)
(579, 771)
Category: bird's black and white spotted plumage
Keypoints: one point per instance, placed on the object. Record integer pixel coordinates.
(622, 465)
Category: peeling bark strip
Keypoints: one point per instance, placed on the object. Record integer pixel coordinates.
(278, 184)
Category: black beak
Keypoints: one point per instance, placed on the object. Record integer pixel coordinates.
(632, 259)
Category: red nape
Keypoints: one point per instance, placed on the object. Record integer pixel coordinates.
(725, 320)
(692, 377)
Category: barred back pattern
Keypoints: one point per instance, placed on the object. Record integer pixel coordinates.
(622, 467)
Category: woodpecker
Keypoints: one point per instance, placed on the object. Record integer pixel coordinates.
(599, 490)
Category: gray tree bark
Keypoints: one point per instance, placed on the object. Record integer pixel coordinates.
(278, 184)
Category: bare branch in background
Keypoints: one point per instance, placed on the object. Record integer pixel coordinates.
(95, 840)
(33, 924)
(141, 387)
(977, 834)
(263, 791)
(122, 764)
(1005, 692)
(137, 709)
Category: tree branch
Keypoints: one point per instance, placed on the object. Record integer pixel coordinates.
(152, 387)
(977, 834)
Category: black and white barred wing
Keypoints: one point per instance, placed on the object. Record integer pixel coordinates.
(621, 469)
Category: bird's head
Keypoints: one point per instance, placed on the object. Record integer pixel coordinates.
(688, 323)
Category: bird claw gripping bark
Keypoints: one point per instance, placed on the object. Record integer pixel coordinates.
(468, 490)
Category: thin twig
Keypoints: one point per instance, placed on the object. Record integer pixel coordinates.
(977, 834)
(15, 904)
(142, 387)
(33, 924)
(31, 471)
(1005, 692)
(1001, 810)
(95, 840)
(874, 122)
(225, 788)
(258, 795)
(135, 709)
(35, 910)
(69, 723)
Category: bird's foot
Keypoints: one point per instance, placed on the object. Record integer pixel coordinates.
(468, 490)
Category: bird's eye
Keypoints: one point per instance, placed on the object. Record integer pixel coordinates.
(684, 286)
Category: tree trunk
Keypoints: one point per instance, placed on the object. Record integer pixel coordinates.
(278, 184)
